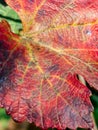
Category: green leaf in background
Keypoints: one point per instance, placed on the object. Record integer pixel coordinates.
(13, 19)
(94, 100)
(3, 119)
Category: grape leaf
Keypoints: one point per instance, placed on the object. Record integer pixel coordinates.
(38, 73)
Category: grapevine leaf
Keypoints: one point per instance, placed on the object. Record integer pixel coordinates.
(38, 74)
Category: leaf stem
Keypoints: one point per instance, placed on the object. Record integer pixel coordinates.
(95, 126)
(84, 82)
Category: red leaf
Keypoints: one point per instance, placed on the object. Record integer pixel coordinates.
(38, 79)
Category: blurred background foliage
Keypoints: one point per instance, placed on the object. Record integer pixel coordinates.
(13, 19)
(6, 123)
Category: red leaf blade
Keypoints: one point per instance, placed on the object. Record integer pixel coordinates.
(38, 82)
